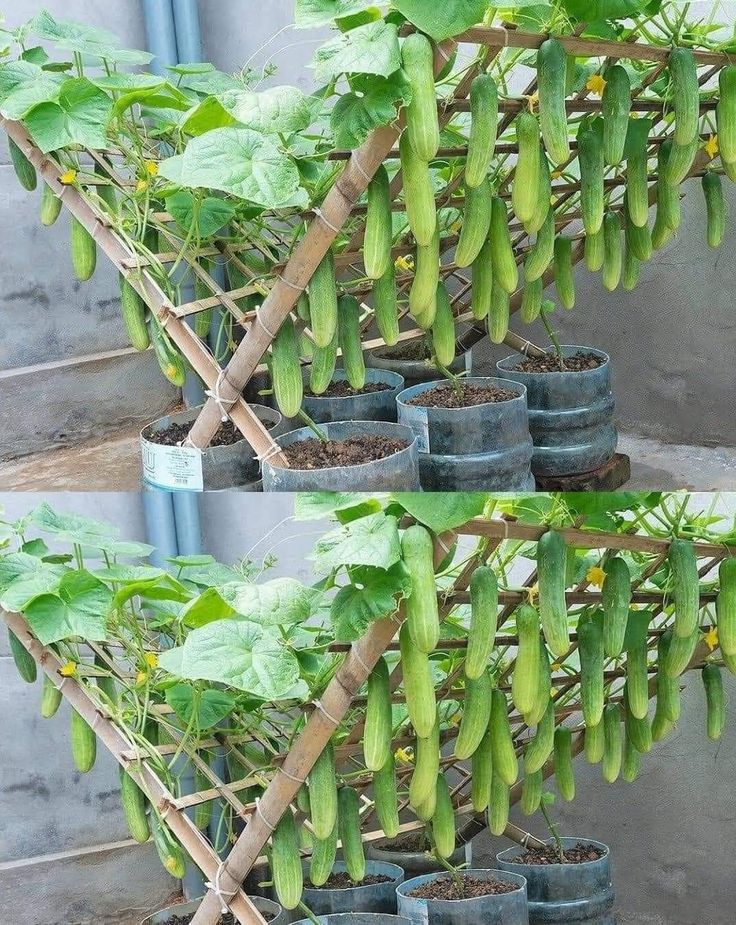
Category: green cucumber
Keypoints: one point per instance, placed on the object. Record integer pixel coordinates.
(726, 606)
(385, 306)
(505, 762)
(638, 240)
(590, 644)
(322, 784)
(348, 338)
(134, 312)
(564, 280)
(24, 661)
(423, 292)
(422, 121)
(421, 606)
(595, 251)
(612, 251)
(540, 254)
(637, 179)
(680, 161)
(323, 301)
(525, 678)
(637, 679)
(481, 773)
(377, 731)
(615, 602)
(349, 831)
(421, 208)
(594, 743)
(613, 742)
(531, 793)
(668, 688)
(631, 268)
(499, 314)
(84, 251)
(544, 195)
(551, 80)
(540, 746)
(638, 730)
(443, 820)
(685, 581)
(24, 169)
(386, 798)
(551, 567)
(286, 370)
(418, 685)
(564, 775)
(531, 301)
(616, 107)
(322, 862)
(715, 702)
(83, 742)
(525, 183)
(685, 94)
(668, 196)
(482, 278)
(592, 169)
(483, 129)
(443, 328)
(322, 367)
(483, 618)
(498, 809)
(170, 852)
(631, 761)
(50, 206)
(378, 228)
(50, 698)
(134, 803)
(715, 208)
(680, 653)
(476, 223)
(476, 715)
(726, 113)
(286, 862)
(505, 270)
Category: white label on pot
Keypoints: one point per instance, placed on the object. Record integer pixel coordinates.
(469, 362)
(176, 468)
(419, 425)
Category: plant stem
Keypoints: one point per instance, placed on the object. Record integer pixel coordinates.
(453, 379)
(320, 434)
(453, 871)
(555, 341)
(553, 832)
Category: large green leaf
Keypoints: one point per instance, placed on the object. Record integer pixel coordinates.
(206, 116)
(237, 161)
(79, 608)
(372, 595)
(444, 18)
(209, 214)
(72, 527)
(316, 505)
(79, 116)
(280, 110)
(24, 85)
(369, 49)
(281, 601)
(596, 10)
(372, 540)
(211, 706)
(237, 653)
(442, 510)
(310, 13)
(85, 39)
(373, 101)
(161, 96)
(24, 577)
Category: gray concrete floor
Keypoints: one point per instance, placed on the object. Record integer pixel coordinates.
(114, 465)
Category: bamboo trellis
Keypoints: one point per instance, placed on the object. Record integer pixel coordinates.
(342, 703)
(342, 212)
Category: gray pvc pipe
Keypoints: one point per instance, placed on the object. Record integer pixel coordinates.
(160, 34)
(188, 32)
(158, 511)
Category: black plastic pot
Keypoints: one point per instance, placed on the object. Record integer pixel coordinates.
(482, 448)
(413, 371)
(376, 897)
(399, 472)
(561, 893)
(415, 863)
(372, 406)
(357, 918)
(570, 415)
(495, 909)
(263, 905)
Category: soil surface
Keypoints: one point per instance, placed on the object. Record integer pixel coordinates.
(174, 434)
(411, 843)
(470, 888)
(313, 454)
(341, 881)
(228, 919)
(445, 396)
(578, 854)
(406, 350)
(549, 363)
(340, 388)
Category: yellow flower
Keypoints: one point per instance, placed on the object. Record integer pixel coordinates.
(151, 168)
(456, 227)
(596, 84)
(596, 576)
(532, 100)
(69, 177)
(532, 593)
(456, 719)
(141, 677)
(711, 146)
(555, 666)
(405, 755)
(556, 174)
(711, 638)
(151, 659)
(405, 263)
(141, 186)
(68, 670)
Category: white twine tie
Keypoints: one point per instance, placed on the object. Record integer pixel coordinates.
(223, 404)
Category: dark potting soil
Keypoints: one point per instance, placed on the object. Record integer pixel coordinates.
(549, 363)
(313, 454)
(342, 389)
(445, 396)
(411, 843)
(341, 881)
(228, 919)
(467, 888)
(578, 854)
(174, 434)
(406, 350)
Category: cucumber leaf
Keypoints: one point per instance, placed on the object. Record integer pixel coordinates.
(369, 49)
(79, 116)
(79, 608)
(211, 705)
(311, 13)
(280, 110)
(444, 18)
(372, 595)
(372, 102)
(442, 510)
(372, 540)
(278, 602)
(600, 10)
(210, 214)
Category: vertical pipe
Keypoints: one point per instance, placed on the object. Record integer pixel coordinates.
(188, 32)
(160, 34)
(158, 510)
(186, 518)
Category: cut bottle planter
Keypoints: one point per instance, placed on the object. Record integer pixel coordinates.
(494, 909)
(560, 893)
(371, 406)
(413, 371)
(398, 472)
(415, 863)
(265, 906)
(480, 448)
(375, 897)
(178, 468)
(570, 415)
(357, 918)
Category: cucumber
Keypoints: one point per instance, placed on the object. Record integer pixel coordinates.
(551, 80)
(84, 251)
(592, 169)
(483, 129)
(544, 688)
(322, 785)
(349, 831)
(564, 280)
(425, 811)
(594, 743)
(286, 370)
(482, 278)
(134, 315)
(525, 183)
(632, 268)
(638, 730)
(540, 747)
(423, 292)
(322, 862)
(531, 793)
(323, 301)
(661, 727)
(286, 862)
(481, 773)
(23, 659)
(616, 107)
(595, 251)
(385, 306)
(685, 94)
(476, 716)
(169, 359)
(422, 122)
(531, 301)
(498, 809)
(83, 742)
(24, 169)
(443, 821)
(50, 698)
(541, 252)
(525, 678)
(505, 271)
(631, 761)
(50, 206)
(377, 732)
(715, 208)
(421, 209)
(680, 653)
(348, 338)
(505, 763)
(544, 195)
(612, 251)
(499, 315)
(378, 228)
(613, 742)
(726, 606)
(422, 611)
(551, 562)
(638, 240)
(426, 766)
(668, 196)
(680, 161)
(418, 686)
(443, 328)
(715, 702)
(661, 234)
(637, 679)
(590, 644)
(729, 662)
(202, 320)
(726, 113)
(476, 223)
(668, 689)
(637, 180)
(170, 852)
(134, 808)
(386, 798)
(302, 309)
(685, 580)
(483, 619)
(564, 775)
(322, 367)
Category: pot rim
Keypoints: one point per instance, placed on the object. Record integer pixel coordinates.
(379, 375)
(548, 841)
(497, 874)
(262, 903)
(363, 886)
(420, 387)
(374, 351)
(193, 412)
(503, 364)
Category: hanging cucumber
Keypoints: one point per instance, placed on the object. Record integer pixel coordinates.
(286, 371)
(639, 240)
(525, 183)
(378, 228)
(595, 251)
(385, 306)
(715, 205)
(612, 251)
(551, 567)
(426, 766)
(531, 301)
(564, 280)
(564, 775)
(348, 338)
(482, 278)
(637, 678)
(668, 196)
(323, 301)
(475, 224)
(726, 606)
(169, 359)
(422, 611)
(685, 580)
(476, 716)
(631, 760)
(637, 172)
(632, 267)
(84, 743)
(544, 195)
(613, 742)
(715, 702)
(418, 686)
(680, 161)
(134, 808)
(483, 129)
(726, 113)
(443, 328)
(592, 169)
(203, 320)
(483, 618)
(544, 688)
(531, 793)
(322, 788)
(668, 688)
(590, 644)
(505, 763)
(423, 292)
(421, 209)
(551, 80)
(498, 810)
(84, 251)
(481, 773)
(386, 798)
(377, 732)
(170, 852)
(616, 107)
(24, 169)
(680, 653)
(525, 678)
(638, 730)
(349, 831)
(540, 747)
(499, 314)
(594, 743)
(50, 698)
(322, 861)
(23, 659)
(685, 94)
(134, 313)
(443, 821)
(421, 114)
(505, 271)
(286, 862)
(322, 367)
(541, 252)
(50, 206)
(615, 602)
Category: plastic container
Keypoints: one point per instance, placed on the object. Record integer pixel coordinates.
(372, 406)
(415, 863)
(494, 909)
(263, 905)
(357, 918)
(414, 371)
(481, 448)
(570, 415)
(377, 897)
